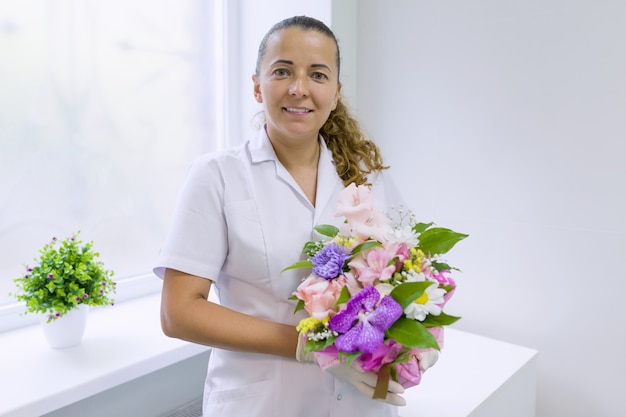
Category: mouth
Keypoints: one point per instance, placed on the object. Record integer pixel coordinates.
(297, 110)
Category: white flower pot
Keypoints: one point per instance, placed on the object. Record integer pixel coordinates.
(68, 330)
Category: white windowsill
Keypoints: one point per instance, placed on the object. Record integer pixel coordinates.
(486, 377)
(121, 343)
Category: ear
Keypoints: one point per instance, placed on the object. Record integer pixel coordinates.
(257, 89)
(337, 97)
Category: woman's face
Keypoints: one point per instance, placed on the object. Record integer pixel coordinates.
(297, 83)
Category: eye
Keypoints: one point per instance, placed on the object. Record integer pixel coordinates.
(319, 76)
(280, 72)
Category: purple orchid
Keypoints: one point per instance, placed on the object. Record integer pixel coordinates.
(362, 324)
(328, 262)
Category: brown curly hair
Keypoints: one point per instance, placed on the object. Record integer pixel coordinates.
(354, 155)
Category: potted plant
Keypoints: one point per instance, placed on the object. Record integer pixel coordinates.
(66, 279)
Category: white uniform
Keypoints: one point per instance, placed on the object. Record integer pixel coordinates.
(241, 219)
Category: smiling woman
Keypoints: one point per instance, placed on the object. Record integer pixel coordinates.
(241, 217)
(297, 83)
(103, 105)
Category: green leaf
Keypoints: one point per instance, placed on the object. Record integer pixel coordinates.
(441, 266)
(317, 345)
(412, 333)
(327, 230)
(348, 358)
(439, 240)
(311, 248)
(420, 227)
(344, 296)
(405, 355)
(299, 264)
(299, 306)
(407, 292)
(393, 261)
(365, 246)
(447, 287)
(442, 319)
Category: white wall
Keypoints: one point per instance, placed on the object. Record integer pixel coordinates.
(506, 120)
(344, 23)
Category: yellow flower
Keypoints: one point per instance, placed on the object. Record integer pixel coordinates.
(408, 264)
(311, 323)
(308, 324)
(415, 260)
(344, 241)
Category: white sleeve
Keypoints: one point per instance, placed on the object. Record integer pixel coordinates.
(197, 240)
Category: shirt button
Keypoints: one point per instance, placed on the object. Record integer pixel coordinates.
(339, 397)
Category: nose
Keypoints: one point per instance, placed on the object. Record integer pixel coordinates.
(300, 86)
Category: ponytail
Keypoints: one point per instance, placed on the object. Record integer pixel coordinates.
(354, 155)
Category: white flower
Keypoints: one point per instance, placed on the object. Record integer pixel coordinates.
(414, 276)
(404, 234)
(426, 304)
(384, 288)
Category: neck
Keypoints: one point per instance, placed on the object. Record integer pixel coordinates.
(302, 155)
(301, 160)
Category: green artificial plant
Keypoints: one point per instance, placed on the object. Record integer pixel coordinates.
(66, 274)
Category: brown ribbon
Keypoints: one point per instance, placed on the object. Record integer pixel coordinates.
(382, 382)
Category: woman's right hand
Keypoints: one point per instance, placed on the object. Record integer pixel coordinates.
(366, 382)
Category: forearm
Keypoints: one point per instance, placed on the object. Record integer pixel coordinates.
(186, 314)
(210, 324)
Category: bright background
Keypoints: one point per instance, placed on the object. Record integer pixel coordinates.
(501, 119)
(507, 120)
(102, 106)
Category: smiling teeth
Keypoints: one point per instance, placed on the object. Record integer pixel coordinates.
(295, 110)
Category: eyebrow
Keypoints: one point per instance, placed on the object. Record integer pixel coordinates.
(285, 61)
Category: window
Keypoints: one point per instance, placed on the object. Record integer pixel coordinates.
(103, 106)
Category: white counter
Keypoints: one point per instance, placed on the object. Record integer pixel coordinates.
(121, 343)
(475, 376)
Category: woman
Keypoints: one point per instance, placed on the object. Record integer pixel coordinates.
(244, 214)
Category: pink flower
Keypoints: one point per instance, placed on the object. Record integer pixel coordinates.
(356, 205)
(428, 357)
(447, 296)
(438, 333)
(354, 286)
(409, 373)
(319, 295)
(400, 251)
(327, 357)
(373, 266)
(386, 353)
(444, 278)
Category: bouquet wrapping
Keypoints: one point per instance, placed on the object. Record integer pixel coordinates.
(376, 292)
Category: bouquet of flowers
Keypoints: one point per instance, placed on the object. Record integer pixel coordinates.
(376, 291)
